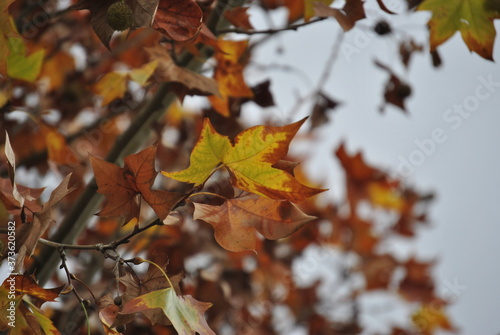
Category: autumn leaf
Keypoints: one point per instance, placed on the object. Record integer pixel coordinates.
(121, 186)
(396, 90)
(20, 66)
(11, 160)
(229, 74)
(249, 161)
(322, 106)
(113, 85)
(56, 68)
(31, 232)
(153, 280)
(473, 18)
(168, 71)
(347, 17)
(417, 284)
(430, 317)
(178, 19)
(236, 221)
(13, 60)
(239, 17)
(57, 148)
(6, 30)
(184, 312)
(309, 7)
(26, 320)
(378, 270)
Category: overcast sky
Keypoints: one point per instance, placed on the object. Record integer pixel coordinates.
(449, 143)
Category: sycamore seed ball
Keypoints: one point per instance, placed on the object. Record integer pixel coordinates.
(120, 16)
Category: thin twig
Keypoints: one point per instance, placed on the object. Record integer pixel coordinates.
(269, 31)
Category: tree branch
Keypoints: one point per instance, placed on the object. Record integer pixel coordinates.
(269, 31)
(129, 142)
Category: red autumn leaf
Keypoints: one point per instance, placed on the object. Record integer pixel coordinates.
(236, 221)
(178, 19)
(122, 186)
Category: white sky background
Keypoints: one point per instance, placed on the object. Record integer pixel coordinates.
(463, 171)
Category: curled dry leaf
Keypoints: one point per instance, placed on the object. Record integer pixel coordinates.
(168, 71)
(31, 232)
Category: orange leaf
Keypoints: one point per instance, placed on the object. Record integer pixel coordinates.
(236, 221)
(58, 150)
(229, 74)
(238, 17)
(56, 68)
(178, 19)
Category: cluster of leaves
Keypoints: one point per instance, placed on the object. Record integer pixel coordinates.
(229, 199)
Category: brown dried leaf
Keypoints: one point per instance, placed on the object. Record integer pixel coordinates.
(178, 19)
(236, 221)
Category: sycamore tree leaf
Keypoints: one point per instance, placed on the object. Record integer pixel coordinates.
(168, 71)
(473, 18)
(396, 90)
(11, 160)
(122, 186)
(249, 161)
(178, 19)
(30, 233)
(152, 281)
(309, 7)
(184, 312)
(7, 31)
(228, 73)
(239, 17)
(20, 66)
(113, 85)
(26, 320)
(428, 318)
(236, 221)
(347, 17)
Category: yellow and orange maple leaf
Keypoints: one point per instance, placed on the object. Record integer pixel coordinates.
(249, 161)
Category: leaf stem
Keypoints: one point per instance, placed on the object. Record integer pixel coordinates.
(159, 268)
